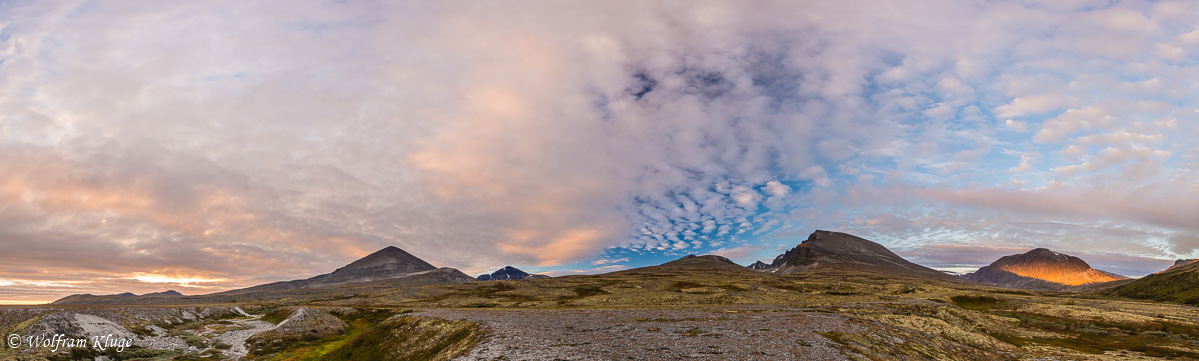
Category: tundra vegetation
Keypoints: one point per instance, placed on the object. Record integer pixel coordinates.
(892, 317)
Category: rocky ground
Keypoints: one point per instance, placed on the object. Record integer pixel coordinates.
(744, 333)
(236, 336)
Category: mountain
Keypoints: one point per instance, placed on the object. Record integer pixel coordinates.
(836, 251)
(386, 268)
(1179, 283)
(390, 263)
(692, 260)
(1180, 263)
(509, 273)
(169, 293)
(758, 265)
(703, 267)
(1041, 269)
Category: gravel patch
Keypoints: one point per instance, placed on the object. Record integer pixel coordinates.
(738, 334)
(237, 338)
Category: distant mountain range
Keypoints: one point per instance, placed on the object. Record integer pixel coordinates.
(1041, 269)
(123, 297)
(822, 251)
(509, 273)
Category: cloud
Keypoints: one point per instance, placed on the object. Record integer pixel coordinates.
(1073, 120)
(1029, 105)
(607, 261)
(216, 140)
(742, 253)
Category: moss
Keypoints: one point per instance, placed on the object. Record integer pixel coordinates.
(410, 338)
(588, 291)
(834, 336)
(1097, 336)
(977, 303)
(277, 315)
(193, 340)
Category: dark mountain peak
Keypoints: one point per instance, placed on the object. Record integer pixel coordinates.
(1041, 268)
(827, 250)
(125, 294)
(389, 262)
(1044, 256)
(826, 242)
(508, 273)
(845, 242)
(390, 258)
(1048, 254)
(759, 265)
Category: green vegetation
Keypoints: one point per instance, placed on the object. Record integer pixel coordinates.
(409, 338)
(374, 334)
(132, 353)
(977, 303)
(1179, 285)
(277, 315)
(1097, 336)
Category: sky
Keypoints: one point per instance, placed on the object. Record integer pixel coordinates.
(205, 146)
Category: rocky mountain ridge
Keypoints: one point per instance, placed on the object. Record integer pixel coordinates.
(1180, 263)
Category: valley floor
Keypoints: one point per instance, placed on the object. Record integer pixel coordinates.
(743, 333)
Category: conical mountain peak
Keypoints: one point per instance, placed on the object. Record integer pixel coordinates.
(390, 258)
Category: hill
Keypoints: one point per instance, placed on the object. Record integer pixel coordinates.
(1180, 263)
(1041, 269)
(836, 251)
(1176, 284)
